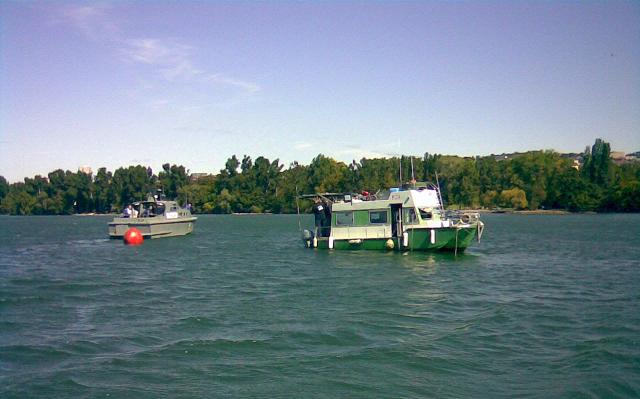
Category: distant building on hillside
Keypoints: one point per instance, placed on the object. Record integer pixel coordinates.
(578, 159)
(618, 157)
(576, 164)
(504, 156)
(197, 176)
(86, 170)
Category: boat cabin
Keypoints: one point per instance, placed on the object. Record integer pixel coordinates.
(151, 209)
(386, 214)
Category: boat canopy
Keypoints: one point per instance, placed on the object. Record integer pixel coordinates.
(425, 199)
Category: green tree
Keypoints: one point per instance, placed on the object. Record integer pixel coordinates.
(490, 199)
(18, 201)
(224, 202)
(514, 198)
(4, 187)
(199, 194)
(576, 194)
(131, 184)
(597, 163)
(171, 179)
(529, 180)
(464, 185)
(293, 182)
(231, 166)
(326, 175)
(104, 195)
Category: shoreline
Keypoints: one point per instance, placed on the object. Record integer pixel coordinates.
(526, 212)
(559, 212)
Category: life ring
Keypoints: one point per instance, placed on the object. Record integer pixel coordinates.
(464, 218)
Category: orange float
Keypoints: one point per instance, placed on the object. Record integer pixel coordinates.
(133, 236)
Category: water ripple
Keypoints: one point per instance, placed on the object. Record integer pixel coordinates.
(241, 309)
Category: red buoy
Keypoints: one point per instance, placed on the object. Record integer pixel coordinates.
(133, 236)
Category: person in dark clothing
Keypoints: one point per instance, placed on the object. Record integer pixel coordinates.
(327, 219)
(320, 213)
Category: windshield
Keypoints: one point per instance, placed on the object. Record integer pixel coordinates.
(426, 214)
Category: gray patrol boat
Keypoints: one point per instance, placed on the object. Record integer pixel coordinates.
(154, 218)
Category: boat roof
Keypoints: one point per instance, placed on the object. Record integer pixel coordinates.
(147, 202)
(418, 194)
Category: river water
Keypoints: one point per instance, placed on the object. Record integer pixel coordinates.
(544, 306)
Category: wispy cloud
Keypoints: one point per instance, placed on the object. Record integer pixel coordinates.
(358, 153)
(302, 146)
(154, 51)
(171, 60)
(241, 84)
(159, 103)
(174, 61)
(213, 131)
(92, 20)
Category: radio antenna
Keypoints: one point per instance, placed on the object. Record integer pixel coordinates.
(413, 177)
(439, 192)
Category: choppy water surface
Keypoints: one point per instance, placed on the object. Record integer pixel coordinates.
(545, 306)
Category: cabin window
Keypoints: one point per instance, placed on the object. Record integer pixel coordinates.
(409, 216)
(426, 214)
(378, 217)
(361, 218)
(344, 218)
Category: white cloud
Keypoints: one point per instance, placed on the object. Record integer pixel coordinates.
(183, 70)
(92, 20)
(302, 146)
(156, 52)
(170, 59)
(174, 62)
(159, 103)
(249, 87)
(359, 153)
(173, 59)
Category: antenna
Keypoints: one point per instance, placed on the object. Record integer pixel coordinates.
(439, 192)
(298, 207)
(413, 177)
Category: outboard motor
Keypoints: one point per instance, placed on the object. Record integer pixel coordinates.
(307, 237)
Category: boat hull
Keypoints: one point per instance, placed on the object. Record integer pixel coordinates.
(416, 239)
(152, 227)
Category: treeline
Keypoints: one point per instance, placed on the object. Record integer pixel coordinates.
(534, 180)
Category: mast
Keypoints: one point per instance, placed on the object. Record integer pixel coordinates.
(439, 193)
(413, 177)
(298, 208)
(400, 161)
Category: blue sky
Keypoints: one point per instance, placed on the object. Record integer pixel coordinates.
(191, 83)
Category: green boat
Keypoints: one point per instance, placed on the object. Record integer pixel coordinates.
(410, 218)
(154, 218)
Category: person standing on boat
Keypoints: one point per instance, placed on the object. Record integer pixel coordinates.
(128, 211)
(319, 215)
